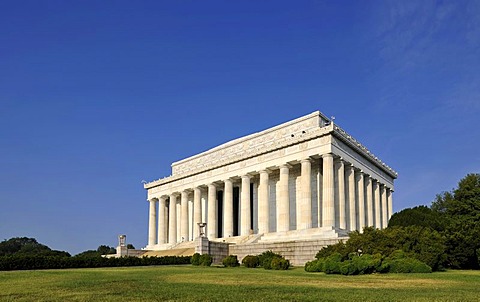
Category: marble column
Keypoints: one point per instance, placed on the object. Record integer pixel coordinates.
(245, 222)
(212, 212)
(352, 214)
(328, 217)
(197, 210)
(369, 182)
(161, 220)
(361, 200)
(283, 199)
(384, 207)
(228, 209)
(390, 203)
(152, 220)
(263, 213)
(340, 169)
(184, 216)
(304, 205)
(377, 209)
(172, 221)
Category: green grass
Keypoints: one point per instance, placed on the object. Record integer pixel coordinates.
(188, 283)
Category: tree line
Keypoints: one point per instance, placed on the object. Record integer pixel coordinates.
(22, 253)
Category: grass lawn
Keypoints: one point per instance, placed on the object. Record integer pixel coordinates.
(188, 283)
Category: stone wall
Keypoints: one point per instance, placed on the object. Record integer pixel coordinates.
(298, 252)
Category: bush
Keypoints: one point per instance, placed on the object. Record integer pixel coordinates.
(206, 260)
(230, 261)
(421, 243)
(195, 259)
(332, 263)
(280, 263)
(268, 258)
(251, 261)
(265, 259)
(315, 265)
(398, 262)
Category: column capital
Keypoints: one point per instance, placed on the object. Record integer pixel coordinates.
(308, 159)
(285, 165)
(246, 176)
(153, 199)
(266, 170)
(327, 155)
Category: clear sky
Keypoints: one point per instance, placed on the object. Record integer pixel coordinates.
(96, 96)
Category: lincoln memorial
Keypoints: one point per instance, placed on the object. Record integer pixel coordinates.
(306, 179)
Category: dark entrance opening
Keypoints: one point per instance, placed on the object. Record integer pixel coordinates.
(219, 214)
(236, 200)
(251, 206)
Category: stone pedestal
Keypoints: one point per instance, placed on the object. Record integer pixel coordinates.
(202, 245)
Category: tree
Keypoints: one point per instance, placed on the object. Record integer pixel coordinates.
(27, 246)
(420, 216)
(130, 246)
(105, 250)
(462, 211)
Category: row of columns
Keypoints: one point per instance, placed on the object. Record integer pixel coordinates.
(343, 186)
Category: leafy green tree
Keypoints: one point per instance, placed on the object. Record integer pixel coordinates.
(105, 250)
(27, 246)
(462, 210)
(88, 254)
(419, 216)
(130, 247)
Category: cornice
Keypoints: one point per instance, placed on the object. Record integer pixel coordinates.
(353, 143)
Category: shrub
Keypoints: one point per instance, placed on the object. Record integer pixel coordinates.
(332, 263)
(315, 265)
(206, 260)
(366, 263)
(421, 243)
(280, 263)
(251, 261)
(230, 261)
(267, 257)
(195, 259)
(398, 262)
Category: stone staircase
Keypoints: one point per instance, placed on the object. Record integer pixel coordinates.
(186, 248)
(302, 235)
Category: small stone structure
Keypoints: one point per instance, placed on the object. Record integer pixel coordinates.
(218, 250)
(123, 251)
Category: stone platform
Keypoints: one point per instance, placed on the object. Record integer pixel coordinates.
(298, 246)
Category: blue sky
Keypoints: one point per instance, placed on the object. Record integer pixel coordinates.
(96, 96)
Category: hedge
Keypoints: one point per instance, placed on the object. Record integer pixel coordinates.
(29, 262)
(397, 262)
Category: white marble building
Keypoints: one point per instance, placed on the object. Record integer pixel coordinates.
(304, 178)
